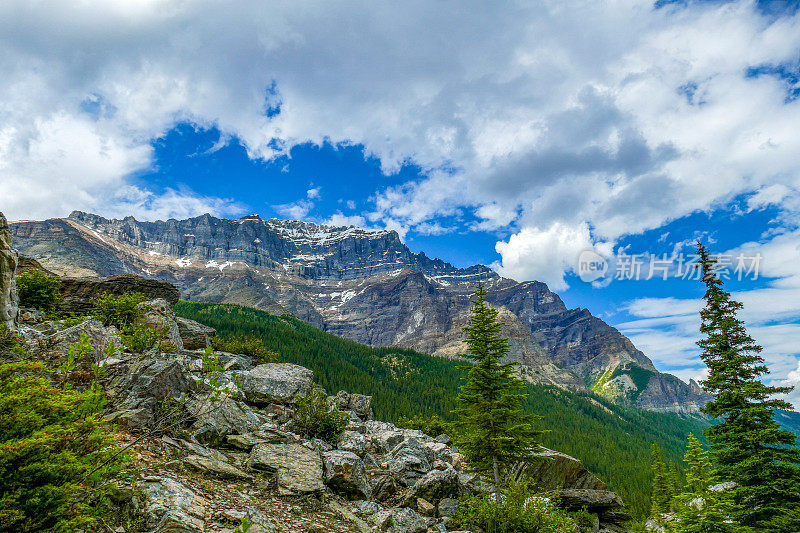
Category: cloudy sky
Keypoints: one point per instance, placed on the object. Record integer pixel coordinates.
(516, 134)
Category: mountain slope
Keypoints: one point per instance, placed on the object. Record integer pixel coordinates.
(362, 285)
(612, 441)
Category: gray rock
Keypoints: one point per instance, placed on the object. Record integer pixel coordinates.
(434, 486)
(78, 294)
(360, 404)
(158, 313)
(281, 383)
(553, 470)
(592, 500)
(447, 507)
(215, 420)
(345, 474)
(172, 507)
(401, 520)
(98, 335)
(444, 439)
(425, 508)
(352, 441)
(9, 303)
(215, 467)
(264, 434)
(409, 461)
(298, 468)
(195, 336)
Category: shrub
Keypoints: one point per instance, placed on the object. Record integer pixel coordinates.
(138, 337)
(37, 289)
(314, 418)
(432, 425)
(246, 345)
(55, 456)
(519, 511)
(119, 311)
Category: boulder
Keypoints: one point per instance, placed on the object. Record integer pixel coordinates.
(401, 520)
(98, 335)
(447, 507)
(409, 461)
(592, 500)
(215, 467)
(78, 294)
(158, 314)
(360, 404)
(8, 266)
(264, 434)
(215, 420)
(555, 470)
(434, 486)
(352, 441)
(172, 507)
(345, 473)
(298, 468)
(425, 508)
(195, 336)
(276, 383)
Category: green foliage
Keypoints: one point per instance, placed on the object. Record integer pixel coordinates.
(73, 320)
(612, 441)
(662, 492)
(139, 336)
(244, 525)
(519, 511)
(748, 445)
(698, 473)
(240, 343)
(10, 343)
(432, 425)
(119, 311)
(38, 290)
(55, 456)
(314, 418)
(493, 431)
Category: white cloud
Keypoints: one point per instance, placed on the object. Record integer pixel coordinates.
(338, 219)
(295, 210)
(313, 193)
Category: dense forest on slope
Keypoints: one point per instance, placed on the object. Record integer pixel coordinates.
(611, 440)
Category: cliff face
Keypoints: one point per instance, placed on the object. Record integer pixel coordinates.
(362, 285)
(8, 266)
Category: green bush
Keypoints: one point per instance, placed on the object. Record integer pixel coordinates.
(432, 425)
(314, 418)
(239, 343)
(138, 337)
(119, 311)
(55, 456)
(519, 511)
(38, 290)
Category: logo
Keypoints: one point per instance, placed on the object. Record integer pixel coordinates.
(591, 266)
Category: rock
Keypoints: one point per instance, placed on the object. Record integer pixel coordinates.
(8, 266)
(345, 473)
(434, 486)
(555, 470)
(444, 439)
(215, 420)
(360, 404)
(171, 507)
(352, 441)
(276, 383)
(592, 500)
(409, 461)
(148, 382)
(401, 520)
(723, 487)
(297, 467)
(265, 434)
(78, 294)
(195, 336)
(447, 507)
(158, 314)
(425, 508)
(215, 467)
(99, 337)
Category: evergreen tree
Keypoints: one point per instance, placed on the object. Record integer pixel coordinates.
(661, 492)
(748, 446)
(492, 429)
(698, 475)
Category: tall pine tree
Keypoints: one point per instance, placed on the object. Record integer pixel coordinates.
(662, 490)
(748, 446)
(493, 430)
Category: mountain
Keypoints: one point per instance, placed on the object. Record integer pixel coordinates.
(362, 285)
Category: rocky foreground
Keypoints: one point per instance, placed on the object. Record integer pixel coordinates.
(238, 457)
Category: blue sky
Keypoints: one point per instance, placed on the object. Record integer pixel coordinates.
(514, 135)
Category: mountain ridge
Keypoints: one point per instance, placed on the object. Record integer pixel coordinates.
(362, 285)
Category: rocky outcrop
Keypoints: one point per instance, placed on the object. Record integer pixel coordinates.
(8, 265)
(362, 285)
(78, 294)
(276, 383)
(195, 336)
